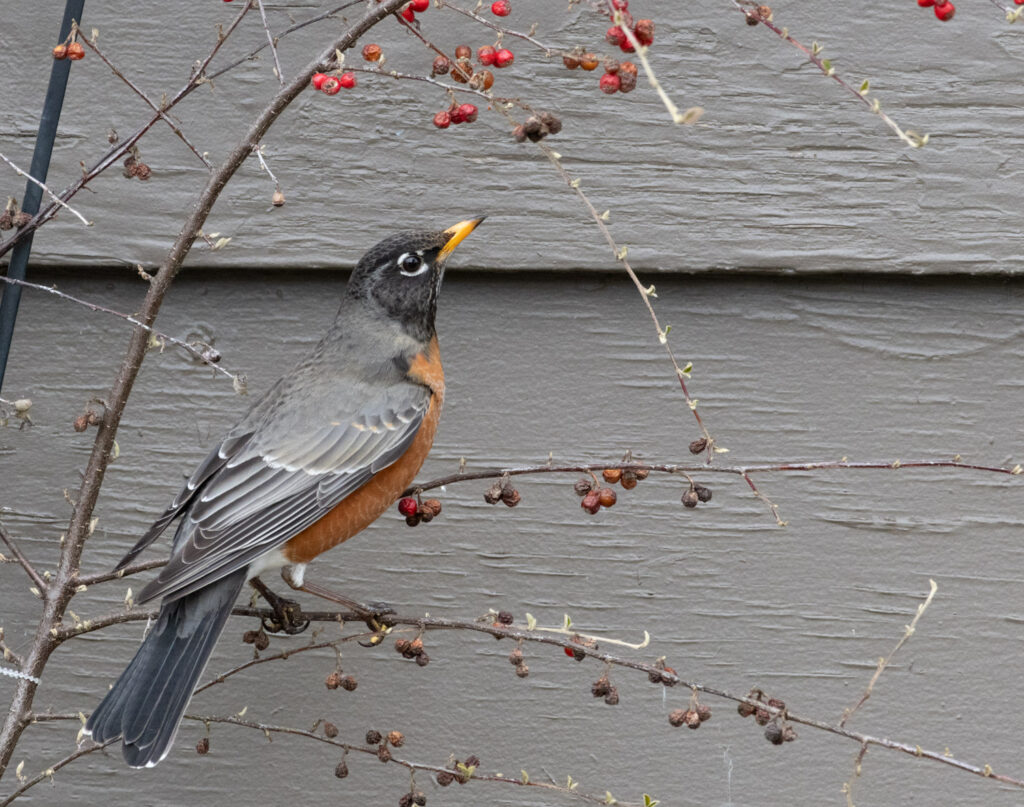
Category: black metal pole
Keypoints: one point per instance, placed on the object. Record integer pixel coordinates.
(33, 193)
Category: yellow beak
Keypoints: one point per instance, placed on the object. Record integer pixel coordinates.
(456, 234)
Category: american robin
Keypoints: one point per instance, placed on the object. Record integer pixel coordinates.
(319, 457)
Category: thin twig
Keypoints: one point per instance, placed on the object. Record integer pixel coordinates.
(30, 570)
(144, 566)
(237, 379)
(49, 772)
(134, 88)
(270, 40)
(48, 192)
(495, 27)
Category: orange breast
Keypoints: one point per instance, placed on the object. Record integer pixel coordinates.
(362, 507)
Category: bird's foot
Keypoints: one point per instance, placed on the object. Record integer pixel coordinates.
(287, 617)
(373, 614)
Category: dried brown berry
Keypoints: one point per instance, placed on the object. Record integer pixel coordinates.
(406, 800)
(80, 425)
(788, 733)
(583, 486)
(535, 130)
(349, 683)
(588, 61)
(373, 737)
(422, 660)
(341, 771)
(690, 498)
(143, 171)
(628, 480)
(703, 712)
(372, 52)
(570, 61)
(752, 18)
(21, 218)
(419, 799)
(442, 65)
(416, 646)
(203, 746)
(7, 222)
(383, 754)
(765, 12)
(591, 502)
(698, 445)
(462, 70)
(611, 475)
(472, 761)
(607, 497)
(505, 617)
(775, 703)
(773, 733)
(510, 497)
(401, 645)
(522, 670)
(641, 473)
(703, 493)
(396, 738)
(262, 641)
(277, 199)
(463, 51)
(445, 778)
(677, 717)
(627, 79)
(692, 719)
(612, 698)
(745, 709)
(551, 123)
(600, 687)
(333, 681)
(330, 730)
(482, 80)
(60, 52)
(761, 717)
(515, 657)
(412, 521)
(76, 51)
(493, 494)
(611, 66)
(519, 134)
(431, 507)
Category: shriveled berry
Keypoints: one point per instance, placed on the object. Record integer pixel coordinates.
(462, 70)
(503, 58)
(341, 771)
(677, 717)
(482, 80)
(518, 134)
(752, 17)
(445, 778)
(510, 497)
(419, 6)
(703, 712)
(501, 8)
(142, 171)
(468, 113)
(944, 11)
(644, 31)
(408, 506)
(627, 83)
(486, 55)
(373, 737)
(591, 502)
(776, 703)
(773, 733)
(416, 646)
(607, 497)
(703, 493)
(408, 14)
(406, 800)
(629, 480)
(396, 738)
(472, 761)
(203, 746)
(551, 123)
(333, 681)
(611, 65)
(262, 641)
(615, 36)
(611, 475)
(600, 687)
(463, 51)
(412, 521)
(348, 80)
(583, 486)
(588, 61)
(522, 670)
(745, 709)
(349, 683)
(330, 730)
(372, 52)
(534, 129)
(515, 657)
(431, 506)
(441, 66)
(277, 198)
(698, 445)
(81, 423)
(401, 645)
(76, 51)
(383, 754)
(788, 732)
(640, 473)
(505, 617)
(692, 719)
(761, 717)
(60, 52)
(422, 660)
(690, 498)
(570, 61)
(493, 494)
(331, 86)
(419, 799)
(612, 698)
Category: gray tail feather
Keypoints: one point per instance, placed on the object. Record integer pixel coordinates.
(146, 703)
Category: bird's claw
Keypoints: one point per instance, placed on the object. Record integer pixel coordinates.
(287, 618)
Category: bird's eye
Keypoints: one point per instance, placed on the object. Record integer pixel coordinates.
(411, 264)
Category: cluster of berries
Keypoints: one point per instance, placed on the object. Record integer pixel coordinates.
(945, 10)
(757, 14)
(691, 718)
(415, 7)
(417, 510)
(662, 674)
(257, 638)
(460, 772)
(537, 127)
(416, 797)
(412, 649)
(515, 658)
(336, 680)
(580, 653)
(456, 113)
(332, 85)
(69, 50)
(774, 732)
(134, 167)
(502, 491)
(696, 494)
(393, 738)
(14, 216)
(603, 688)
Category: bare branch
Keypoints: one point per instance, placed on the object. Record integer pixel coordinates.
(30, 570)
(51, 194)
(270, 40)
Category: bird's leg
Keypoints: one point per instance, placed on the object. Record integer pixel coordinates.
(287, 617)
(370, 613)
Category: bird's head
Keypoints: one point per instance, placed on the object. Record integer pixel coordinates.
(401, 276)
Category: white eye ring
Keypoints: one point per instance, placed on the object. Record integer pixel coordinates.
(422, 266)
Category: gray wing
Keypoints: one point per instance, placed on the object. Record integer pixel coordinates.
(258, 490)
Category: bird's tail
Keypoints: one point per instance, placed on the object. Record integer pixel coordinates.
(145, 705)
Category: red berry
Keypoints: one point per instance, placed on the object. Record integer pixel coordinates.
(419, 6)
(944, 11)
(348, 80)
(615, 36)
(76, 51)
(456, 114)
(60, 52)
(568, 652)
(644, 32)
(1019, 2)
(486, 55)
(408, 506)
(610, 83)
(468, 112)
(318, 80)
(501, 8)
(504, 57)
(442, 120)
(330, 86)
(926, 3)
(408, 14)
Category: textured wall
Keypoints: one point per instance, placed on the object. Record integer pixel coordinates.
(784, 172)
(784, 368)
